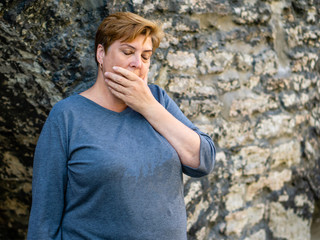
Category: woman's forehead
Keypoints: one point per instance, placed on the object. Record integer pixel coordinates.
(140, 40)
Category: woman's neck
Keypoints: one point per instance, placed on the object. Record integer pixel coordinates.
(101, 94)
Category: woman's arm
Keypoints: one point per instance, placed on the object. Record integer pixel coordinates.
(184, 140)
(135, 92)
(48, 183)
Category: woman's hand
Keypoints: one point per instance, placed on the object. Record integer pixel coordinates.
(130, 88)
(135, 92)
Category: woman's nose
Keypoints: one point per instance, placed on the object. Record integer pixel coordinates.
(136, 62)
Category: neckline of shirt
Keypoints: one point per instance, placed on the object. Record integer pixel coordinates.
(125, 111)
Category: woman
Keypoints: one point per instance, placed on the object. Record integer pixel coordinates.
(109, 161)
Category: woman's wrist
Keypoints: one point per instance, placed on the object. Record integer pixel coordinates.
(150, 109)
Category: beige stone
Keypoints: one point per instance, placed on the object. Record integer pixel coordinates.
(243, 61)
(195, 191)
(228, 84)
(190, 110)
(148, 8)
(301, 200)
(294, 36)
(207, 20)
(283, 198)
(211, 107)
(167, 24)
(275, 126)
(315, 118)
(206, 128)
(255, 188)
(235, 197)
(214, 62)
(312, 15)
(310, 150)
(235, 133)
(188, 85)
(304, 98)
(201, 234)
(238, 221)
(286, 154)
(168, 39)
(212, 216)
(253, 160)
(266, 63)
(137, 1)
(221, 159)
(260, 235)
(290, 100)
(252, 82)
(301, 82)
(305, 63)
(252, 103)
(274, 181)
(193, 217)
(162, 79)
(284, 223)
(204, 90)
(277, 83)
(181, 60)
(181, 84)
(245, 16)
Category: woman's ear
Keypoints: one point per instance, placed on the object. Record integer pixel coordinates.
(100, 54)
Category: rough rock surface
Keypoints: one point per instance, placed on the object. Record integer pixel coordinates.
(246, 72)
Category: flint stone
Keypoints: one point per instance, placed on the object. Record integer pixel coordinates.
(274, 126)
(244, 219)
(284, 223)
(251, 160)
(214, 62)
(251, 104)
(286, 155)
(181, 60)
(274, 181)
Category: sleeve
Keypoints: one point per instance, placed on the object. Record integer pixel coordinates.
(48, 182)
(207, 147)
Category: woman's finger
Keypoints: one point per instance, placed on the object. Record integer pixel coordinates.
(116, 78)
(117, 87)
(126, 73)
(117, 94)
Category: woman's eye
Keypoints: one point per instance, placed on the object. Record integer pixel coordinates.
(146, 57)
(127, 52)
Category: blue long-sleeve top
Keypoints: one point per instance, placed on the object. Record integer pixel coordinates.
(99, 174)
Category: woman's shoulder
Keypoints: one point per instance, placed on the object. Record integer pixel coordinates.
(66, 102)
(65, 105)
(157, 91)
(160, 94)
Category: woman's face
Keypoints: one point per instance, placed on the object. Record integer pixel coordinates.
(133, 56)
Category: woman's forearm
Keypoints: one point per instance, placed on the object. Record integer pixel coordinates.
(184, 140)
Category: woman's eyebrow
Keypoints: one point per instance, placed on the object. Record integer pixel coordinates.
(130, 46)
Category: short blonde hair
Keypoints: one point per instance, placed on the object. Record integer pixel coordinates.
(126, 26)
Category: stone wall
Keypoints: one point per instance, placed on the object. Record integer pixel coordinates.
(246, 72)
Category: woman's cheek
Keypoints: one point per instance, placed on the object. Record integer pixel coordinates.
(145, 73)
(145, 76)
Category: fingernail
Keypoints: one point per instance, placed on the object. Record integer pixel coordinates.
(106, 74)
(115, 68)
